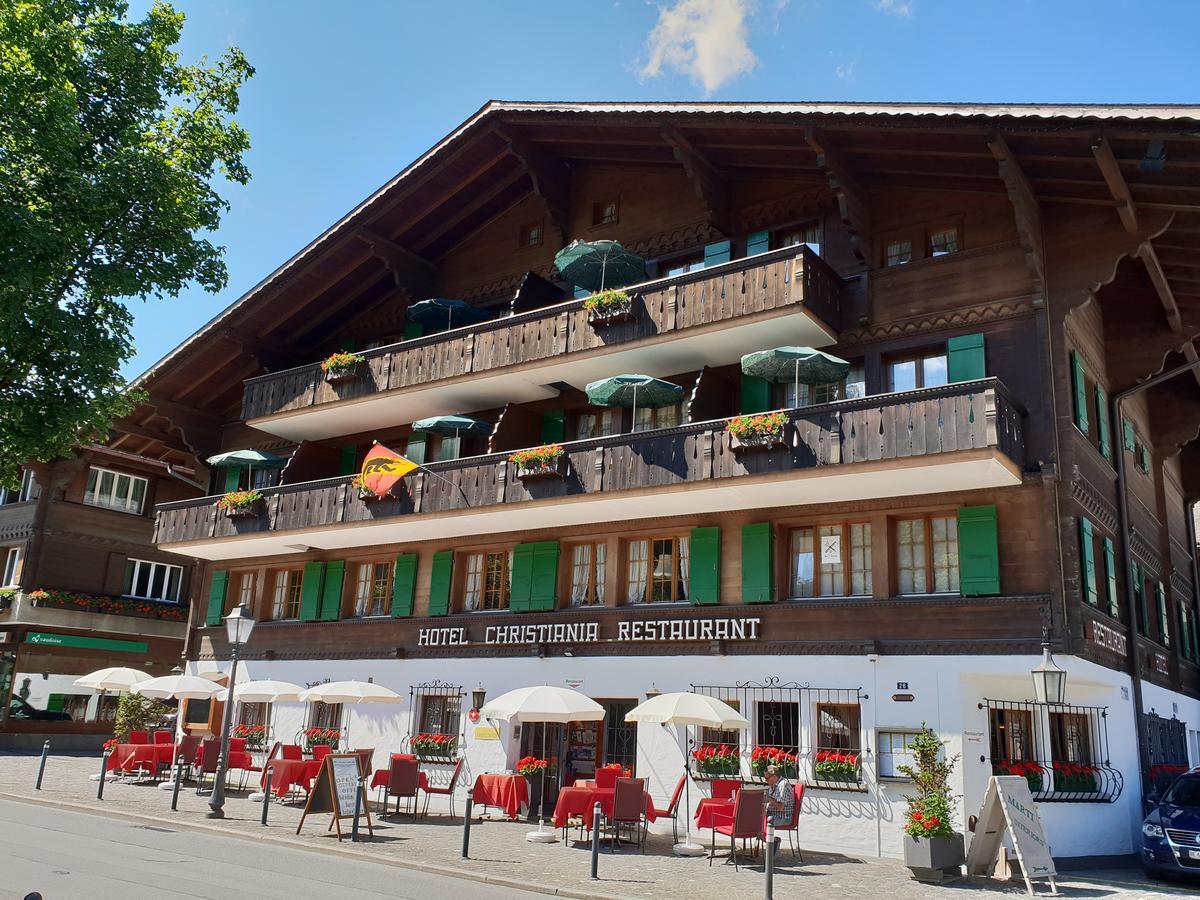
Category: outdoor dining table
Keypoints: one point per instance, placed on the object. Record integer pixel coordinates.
(382, 777)
(579, 799)
(285, 773)
(507, 792)
(128, 757)
(712, 812)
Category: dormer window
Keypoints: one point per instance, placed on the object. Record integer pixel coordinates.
(531, 234)
(899, 253)
(943, 241)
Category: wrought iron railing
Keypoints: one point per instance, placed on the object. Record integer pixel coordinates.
(1166, 751)
(813, 734)
(437, 727)
(1061, 750)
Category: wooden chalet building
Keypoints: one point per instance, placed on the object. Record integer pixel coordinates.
(997, 276)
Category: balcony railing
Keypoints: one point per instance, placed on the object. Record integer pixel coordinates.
(788, 277)
(967, 416)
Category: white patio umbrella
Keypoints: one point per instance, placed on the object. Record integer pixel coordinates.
(684, 708)
(348, 692)
(178, 687)
(543, 704)
(263, 691)
(115, 678)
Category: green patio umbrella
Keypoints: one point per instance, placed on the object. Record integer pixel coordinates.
(800, 365)
(627, 390)
(436, 310)
(454, 425)
(247, 458)
(596, 264)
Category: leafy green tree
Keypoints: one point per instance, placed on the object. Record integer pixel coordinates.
(138, 713)
(110, 155)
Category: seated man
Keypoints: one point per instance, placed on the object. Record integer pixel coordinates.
(781, 799)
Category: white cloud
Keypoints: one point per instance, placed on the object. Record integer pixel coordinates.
(901, 8)
(845, 71)
(703, 39)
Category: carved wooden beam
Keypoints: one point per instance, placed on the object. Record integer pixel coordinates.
(499, 187)
(853, 201)
(551, 178)
(1025, 208)
(1158, 278)
(1116, 183)
(710, 185)
(408, 269)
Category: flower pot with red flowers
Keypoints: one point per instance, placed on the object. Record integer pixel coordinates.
(255, 736)
(837, 767)
(717, 761)
(622, 771)
(322, 737)
(534, 770)
(1075, 778)
(435, 747)
(1030, 771)
(548, 461)
(608, 307)
(787, 763)
(933, 850)
(758, 432)
(340, 368)
(241, 504)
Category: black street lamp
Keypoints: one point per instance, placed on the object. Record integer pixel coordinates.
(478, 697)
(238, 625)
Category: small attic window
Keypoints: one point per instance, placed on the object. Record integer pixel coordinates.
(531, 234)
(604, 212)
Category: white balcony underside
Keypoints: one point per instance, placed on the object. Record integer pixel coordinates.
(720, 344)
(947, 473)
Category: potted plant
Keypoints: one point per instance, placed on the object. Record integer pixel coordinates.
(534, 770)
(7, 597)
(328, 737)
(240, 503)
(717, 762)
(1030, 771)
(539, 462)
(933, 850)
(762, 430)
(837, 766)
(761, 757)
(608, 307)
(622, 771)
(364, 492)
(1075, 778)
(340, 367)
(435, 746)
(255, 736)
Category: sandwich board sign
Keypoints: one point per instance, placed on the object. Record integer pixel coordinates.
(1008, 808)
(336, 790)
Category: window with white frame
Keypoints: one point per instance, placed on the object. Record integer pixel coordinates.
(115, 490)
(147, 580)
(831, 560)
(658, 570)
(373, 589)
(587, 574)
(12, 567)
(288, 586)
(596, 424)
(489, 581)
(895, 750)
(646, 419)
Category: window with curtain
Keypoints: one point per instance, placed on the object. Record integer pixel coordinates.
(808, 233)
(152, 581)
(286, 604)
(115, 490)
(897, 253)
(587, 574)
(244, 596)
(373, 589)
(489, 580)
(927, 555)
(1011, 737)
(852, 387)
(664, 417)
(815, 574)
(943, 241)
(600, 423)
(658, 570)
(440, 714)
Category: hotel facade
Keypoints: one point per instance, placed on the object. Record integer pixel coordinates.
(997, 277)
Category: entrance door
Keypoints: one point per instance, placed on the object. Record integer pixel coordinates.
(620, 737)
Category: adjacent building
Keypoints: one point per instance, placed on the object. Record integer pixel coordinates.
(996, 275)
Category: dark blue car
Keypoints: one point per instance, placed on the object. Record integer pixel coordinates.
(1171, 832)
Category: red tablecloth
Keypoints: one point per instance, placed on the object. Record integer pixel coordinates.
(506, 791)
(579, 801)
(131, 757)
(710, 809)
(288, 772)
(382, 776)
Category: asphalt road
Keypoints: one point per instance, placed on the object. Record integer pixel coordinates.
(81, 855)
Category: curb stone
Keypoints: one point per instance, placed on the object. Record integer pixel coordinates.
(428, 868)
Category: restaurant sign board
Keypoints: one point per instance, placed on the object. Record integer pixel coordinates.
(1008, 808)
(679, 630)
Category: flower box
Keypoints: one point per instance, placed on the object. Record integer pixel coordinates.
(243, 512)
(336, 378)
(435, 747)
(787, 763)
(721, 761)
(608, 308)
(758, 432)
(113, 606)
(540, 462)
(552, 469)
(240, 504)
(339, 368)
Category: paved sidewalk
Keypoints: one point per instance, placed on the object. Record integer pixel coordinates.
(500, 854)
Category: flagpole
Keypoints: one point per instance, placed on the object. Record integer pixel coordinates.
(461, 492)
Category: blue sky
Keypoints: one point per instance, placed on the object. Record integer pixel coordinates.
(347, 93)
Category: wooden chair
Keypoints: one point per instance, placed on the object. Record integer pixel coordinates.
(629, 809)
(447, 791)
(162, 736)
(139, 737)
(793, 827)
(725, 788)
(404, 780)
(672, 810)
(745, 823)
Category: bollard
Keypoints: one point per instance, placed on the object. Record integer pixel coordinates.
(103, 774)
(357, 809)
(466, 850)
(770, 859)
(42, 766)
(267, 795)
(597, 823)
(178, 781)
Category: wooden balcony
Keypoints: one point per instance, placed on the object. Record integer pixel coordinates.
(950, 438)
(785, 296)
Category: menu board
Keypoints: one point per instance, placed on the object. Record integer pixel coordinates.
(1008, 808)
(335, 790)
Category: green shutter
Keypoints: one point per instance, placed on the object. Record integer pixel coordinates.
(216, 597)
(755, 395)
(233, 477)
(965, 358)
(1185, 638)
(543, 593)
(1130, 437)
(554, 426)
(439, 583)
(331, 591)
(758, 242)
(1079, 386)
(348, 465)
(404, 584)
(720, 252)
(413, 330)
(521, 578)
(978, 551)
(1102, 423)
(1164, 624)
(415, 448)
(310, 591)
(1144, 459)
(704, 566)
(1139, 595)
(758, 563)
(1110, 575)
(1087, 563)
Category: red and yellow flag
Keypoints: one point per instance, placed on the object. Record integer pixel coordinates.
(383, 468)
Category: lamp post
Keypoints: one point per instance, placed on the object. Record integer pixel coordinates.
(1049, 681)
(238, 625)
(478, 698)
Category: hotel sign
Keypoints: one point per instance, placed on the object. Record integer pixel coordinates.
(1107, 638)
(650, 630)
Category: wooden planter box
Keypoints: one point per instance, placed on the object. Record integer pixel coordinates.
(343, 377)
(369, 496)
(765, 441)
(934, 860)
(244, 512)
(611, 315)
(555, 468)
